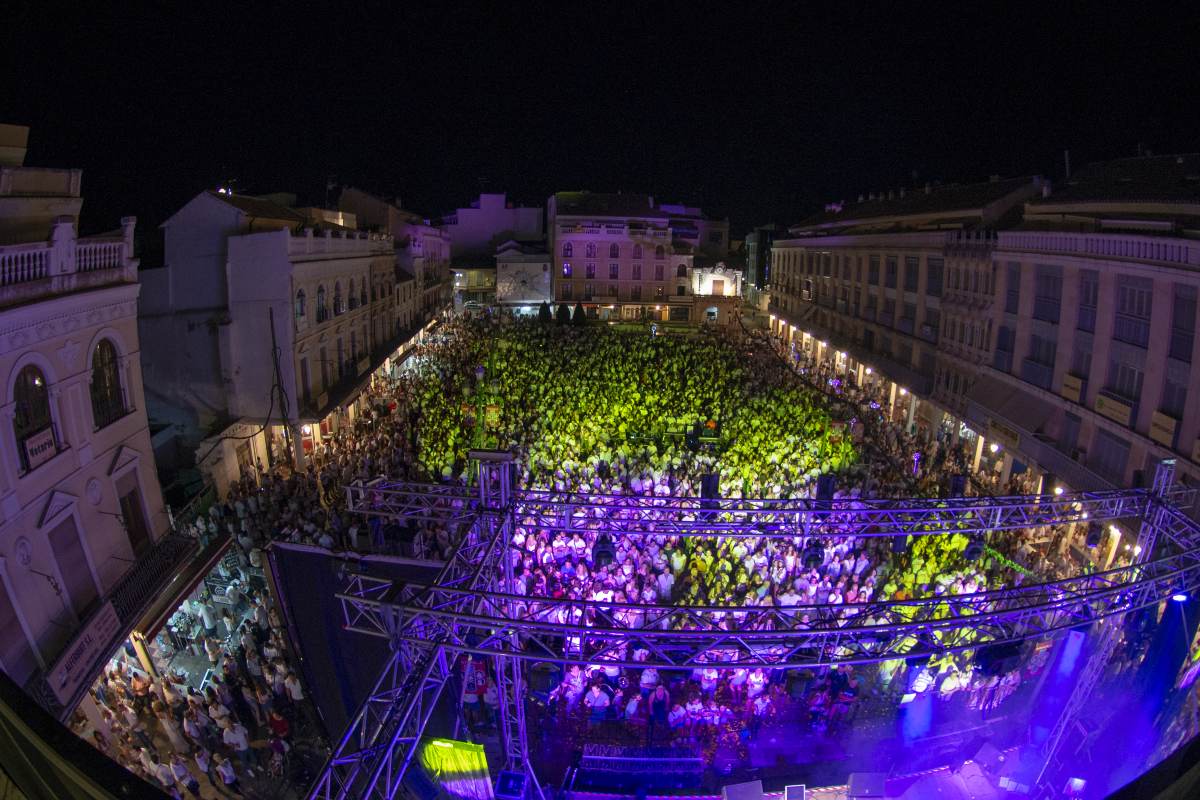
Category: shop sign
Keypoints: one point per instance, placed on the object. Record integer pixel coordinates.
(39, 448)
(999, 432)
(1072, 387)
(1113, 409)
(1162, 428)
(93, 643)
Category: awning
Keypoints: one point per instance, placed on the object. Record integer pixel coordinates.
(184, 583)
(1010, 404)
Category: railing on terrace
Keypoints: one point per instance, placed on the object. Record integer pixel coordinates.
(24, 262)
(352, 244)
(94, 254)
(36, 268)
(1138, 248)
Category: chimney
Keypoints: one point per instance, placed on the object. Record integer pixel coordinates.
(928, 188)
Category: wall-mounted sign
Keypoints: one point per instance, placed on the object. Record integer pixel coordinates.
(1162, 428)
(1072, 387)
(95, 641)
(999, 432)
(39, 448)
(1113, 409)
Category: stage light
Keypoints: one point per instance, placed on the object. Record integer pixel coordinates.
(1137, 549)
(1114, 530)
(306, 430)
(903, 391)
(994, 448)
(1058, 490)
(868, 370)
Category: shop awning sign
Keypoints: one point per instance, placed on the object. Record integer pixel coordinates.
(90, 645)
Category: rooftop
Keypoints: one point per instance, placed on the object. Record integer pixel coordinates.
(950, 199)
(601, 204)
(260, 208)
(1144, 179)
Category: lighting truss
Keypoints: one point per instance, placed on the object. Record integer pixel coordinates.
(471, 606)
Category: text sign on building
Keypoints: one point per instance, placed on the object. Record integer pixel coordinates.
(999, 432)
(39, 448)
(73, 667)
(1113, 409)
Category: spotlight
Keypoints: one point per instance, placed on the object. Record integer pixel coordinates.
(1058, 490)
(903, 391)
(1137, 549)
(995, 448)
(1180, 595)
(868, 370)
(1094, 533)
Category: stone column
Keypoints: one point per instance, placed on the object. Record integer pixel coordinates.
(891, 399)
(978, 453)
(1006, 473)
(297, 445)
(912, 413)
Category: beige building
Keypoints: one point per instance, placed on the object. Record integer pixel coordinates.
(1056, 325)
(83, 529)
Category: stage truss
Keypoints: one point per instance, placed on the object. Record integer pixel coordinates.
(471, 607)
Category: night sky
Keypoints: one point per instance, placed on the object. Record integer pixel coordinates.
(757, 111)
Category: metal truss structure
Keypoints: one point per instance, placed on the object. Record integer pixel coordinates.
(472, 608)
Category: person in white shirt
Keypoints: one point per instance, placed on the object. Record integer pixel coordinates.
(295, 691)
(225, 771)
(237, 739)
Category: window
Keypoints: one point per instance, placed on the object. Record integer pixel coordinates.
(1089, 294)
(1038, 368)
(1110, 455)
(1068, 437)
(637, 292)
(827, 265)
(300, 304)
(658, 272)
(637, 272)
(889, 311)
(612, 290)
(1012, 297)
(31, 416)
(1047, 292)
(1005, 342)
(845, 268)
(590, 250)
(362, 292)
(637, 251)
(873, 271)
(659, 252)
(353, 299)
(337, 299)
(1183, 323)
(1125, 380)
(568, 250)
(934, 266)
(73, 566)
(590, 270)
(614, 250)
(614, 271)
(681, 291)
(564, 292)
(129, 498)
(1174, 397)
(322, 312)
(716, 237)
(912, 273)
(890, 275)
(566, 269)
(1081, 357)
(681, 271)
(587, 291)
(933, 319)
(1134, 296)
(108, 400)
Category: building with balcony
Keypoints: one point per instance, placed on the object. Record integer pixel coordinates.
(422, 249)
(84, 542)
(272, 321)
(625, 257)
(1058, 324)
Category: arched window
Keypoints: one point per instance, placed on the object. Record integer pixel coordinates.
(614, 250)
(568, 250)
(637, 251)
(591, 249)
(300, 309)
(108, 401)
(353, 298)
(337, 299)
(659, 252)
(31, 415)
(681, 271)
(322, 312)
(362, 291)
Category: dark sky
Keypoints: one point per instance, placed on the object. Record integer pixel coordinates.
(759, 111)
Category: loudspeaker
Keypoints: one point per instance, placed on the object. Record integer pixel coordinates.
(510, 785)
(899, 543)
(958, 485)
(751, 790)
(604, 552)
(796, 791)
(1094, 534)
(710, 486)
(866, 784)
(998, 659)
(826, 485)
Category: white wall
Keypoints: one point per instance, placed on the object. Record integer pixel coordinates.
(477, 231)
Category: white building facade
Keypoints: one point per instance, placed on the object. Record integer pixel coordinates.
(523, 277)
(82, 519)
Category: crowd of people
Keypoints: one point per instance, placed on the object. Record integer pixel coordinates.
(236, 725)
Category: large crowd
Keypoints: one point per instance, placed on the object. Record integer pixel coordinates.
(614, 416)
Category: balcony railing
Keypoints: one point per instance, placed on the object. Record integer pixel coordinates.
(66, 263)
(1140, 248)
(1037, 373)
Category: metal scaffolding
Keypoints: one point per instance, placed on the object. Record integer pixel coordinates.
(472, 606)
